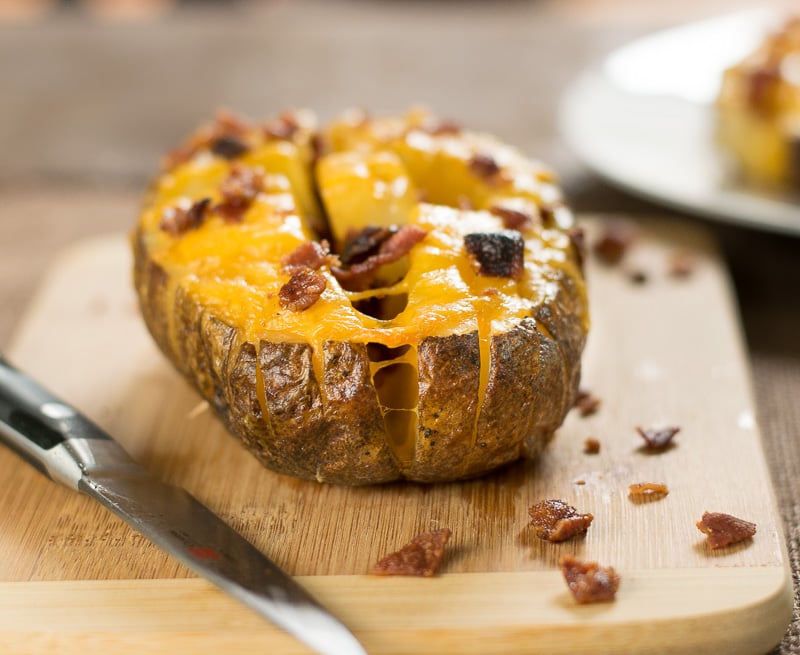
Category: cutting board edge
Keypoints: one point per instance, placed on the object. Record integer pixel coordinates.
(656, 612)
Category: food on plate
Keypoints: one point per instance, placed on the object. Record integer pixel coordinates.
(555, 520)
(724, 529)
(422, 556)
(588, 581)
(658, 439)
(647, 491)
(758, 110)
(378, 299)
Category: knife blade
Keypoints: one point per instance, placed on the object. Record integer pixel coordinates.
(70, 449)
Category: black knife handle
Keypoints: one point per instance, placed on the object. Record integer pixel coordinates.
(36, 424)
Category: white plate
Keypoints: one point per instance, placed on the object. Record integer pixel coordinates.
(644, 120)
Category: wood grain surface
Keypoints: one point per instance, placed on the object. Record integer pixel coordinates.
(668, 351)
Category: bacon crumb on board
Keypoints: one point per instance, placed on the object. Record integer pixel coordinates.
(422, 556)
(310, 254)
(555, 520)
(658, 439)
(586, 402)
(588, 581)
(591, 446)
(724, 530)
(681, 264)
(614, 241)
(645, 491)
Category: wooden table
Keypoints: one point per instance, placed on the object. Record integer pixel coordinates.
(88, 107)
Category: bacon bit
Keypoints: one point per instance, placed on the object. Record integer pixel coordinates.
(302, 290)
(311, 255)
(577, 238)
(422, 556)
(591, 446)
(658, 439)
(724, 529)
(681, 264)
(513, 219)
(238, 191)
(226, 124)
(637, 276)
(231, 123)
(646, 491)
(283, 128)
(497, 254)
(229, 147)
(177, 221)
(588, 581)
(615, 240)
(554, 520)
(358, 274)
(586, 402)
(484, 166)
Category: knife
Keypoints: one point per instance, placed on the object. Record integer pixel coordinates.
(70, 449)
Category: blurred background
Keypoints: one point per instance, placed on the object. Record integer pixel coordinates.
(92, 92)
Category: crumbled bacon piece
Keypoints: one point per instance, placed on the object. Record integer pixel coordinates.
(591, 446)
(724, 529)
(302, 290)
(497, 254)
(226, 124)
(422, 556)
(360, 260)
(284, 127)
(311, 255)
(615, 239)
(177, 220)
(484, 166)
(637, 276)
(238, 190)
(229, 147)
(554, 520)
(681, 264)
(588, 581)
(645, 491)
(513, 219)
(658, 439)
(586, 402)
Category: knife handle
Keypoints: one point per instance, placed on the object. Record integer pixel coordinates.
(44, 430)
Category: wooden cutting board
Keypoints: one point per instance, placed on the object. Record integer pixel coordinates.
(668, 351)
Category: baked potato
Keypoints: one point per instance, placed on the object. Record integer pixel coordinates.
(385, 298)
